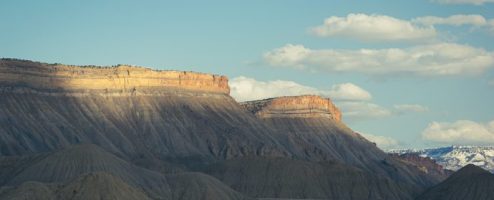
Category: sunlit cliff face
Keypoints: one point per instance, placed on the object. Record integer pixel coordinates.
(118, 79)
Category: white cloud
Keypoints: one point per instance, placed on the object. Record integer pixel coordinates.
(290, 55)
(454, 20)
(425, 60)
(462, 132)
(348, 91)
(246, 89)
(386, 28)
(373, 28)
(381, 141)
(406, 108)
(353, 111)
(474, 2)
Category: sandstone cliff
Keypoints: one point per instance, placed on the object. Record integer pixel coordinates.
(18, 75)
(308, 106)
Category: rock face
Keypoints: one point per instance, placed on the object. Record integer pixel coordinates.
(121, 79)
(309, 106)
(470, 182)
(132, 112)
(183, 123)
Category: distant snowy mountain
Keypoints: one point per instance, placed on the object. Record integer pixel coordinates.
(455, 157)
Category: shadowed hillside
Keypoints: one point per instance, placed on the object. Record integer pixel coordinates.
(88, 172)
(132, 112)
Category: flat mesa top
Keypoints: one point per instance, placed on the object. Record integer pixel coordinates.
(121, 77)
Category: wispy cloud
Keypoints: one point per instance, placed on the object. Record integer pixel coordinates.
(360, 110)
(473, 2)
(406, 108)
(478, 22)
(444, 59)
(491, 26)
(453, 20)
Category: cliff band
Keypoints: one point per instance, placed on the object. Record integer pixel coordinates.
(121, 79)
(308, 106)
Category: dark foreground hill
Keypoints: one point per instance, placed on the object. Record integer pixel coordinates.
(97, 185)
(470, 182)
(88, 172)
(158, 129)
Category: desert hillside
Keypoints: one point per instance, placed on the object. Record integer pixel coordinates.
(179, 135)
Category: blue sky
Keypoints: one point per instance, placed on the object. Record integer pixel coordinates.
(386, 92)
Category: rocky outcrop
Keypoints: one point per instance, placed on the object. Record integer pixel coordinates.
(308, 106)
(23, 76)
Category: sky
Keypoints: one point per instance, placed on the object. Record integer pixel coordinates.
(406, 74)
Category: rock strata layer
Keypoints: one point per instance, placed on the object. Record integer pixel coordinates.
(308, 106)
(21, 76)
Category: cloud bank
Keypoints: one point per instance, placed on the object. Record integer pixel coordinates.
(383, 28)
(443, 59)
(473, 2)
(461, 132)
